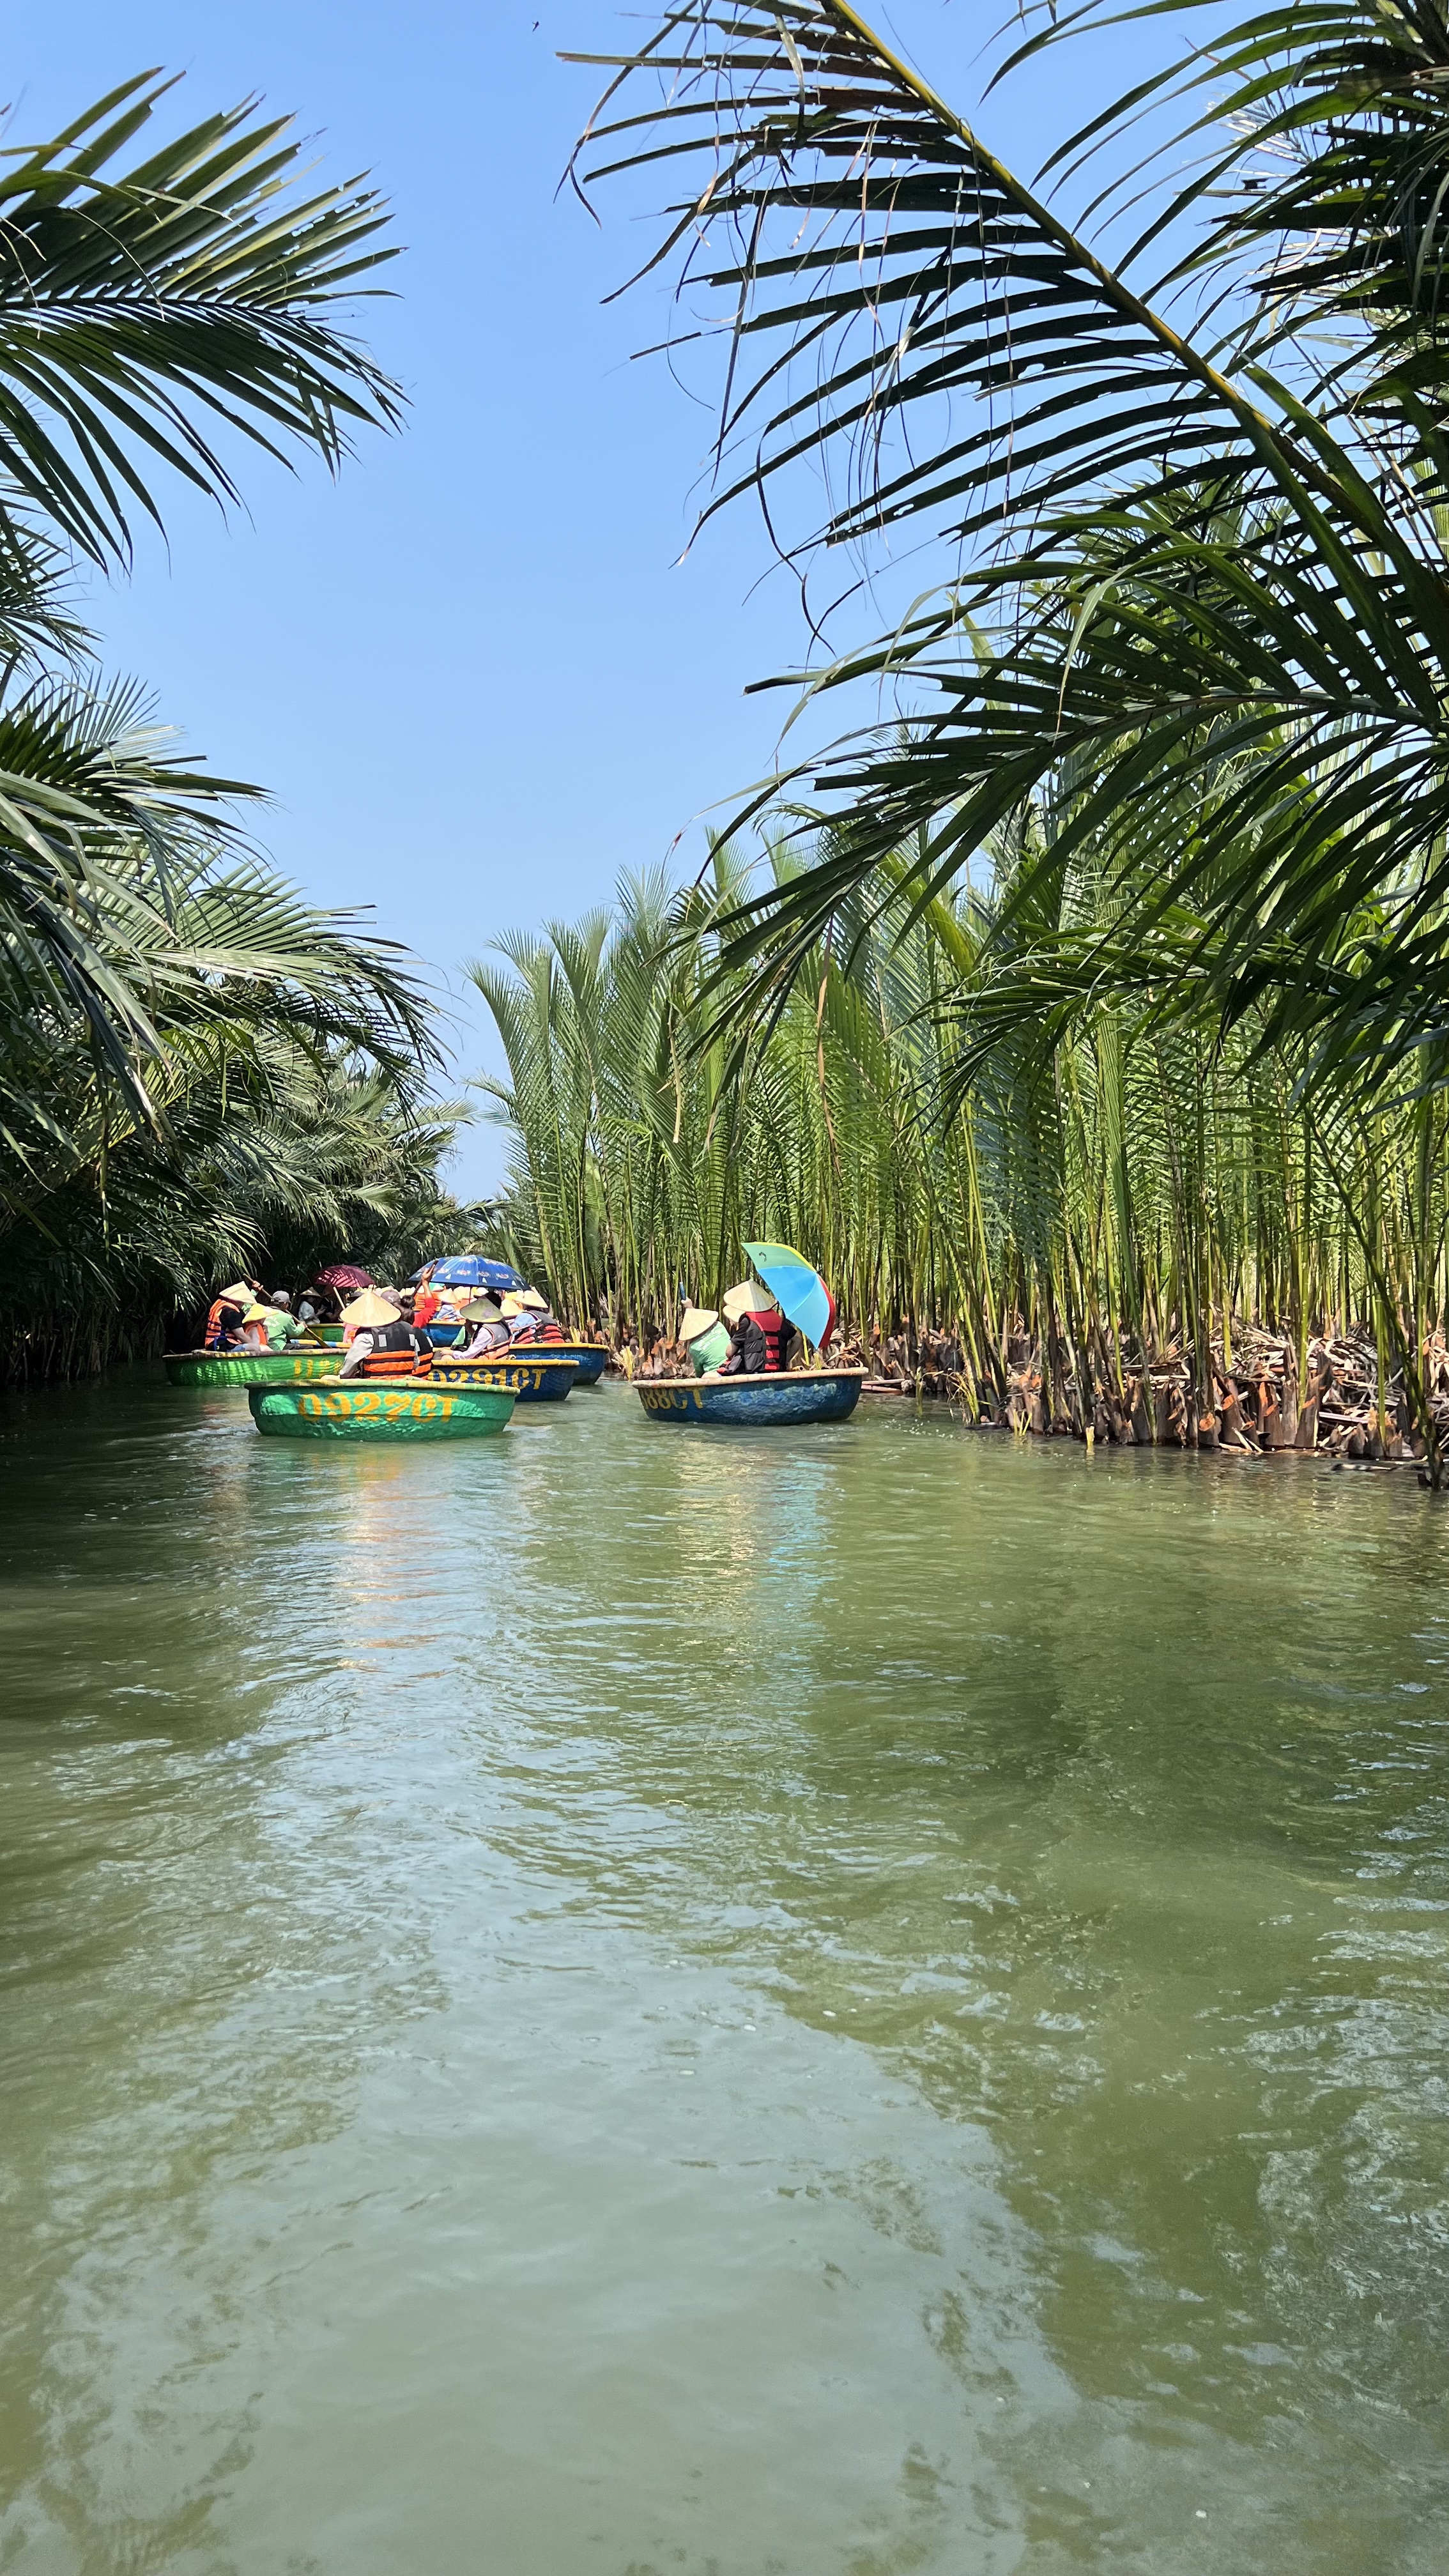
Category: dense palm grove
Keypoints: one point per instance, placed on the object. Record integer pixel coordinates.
(198, 1071)
(1167, 1097)
(1060, 1237)
(1089, 1011)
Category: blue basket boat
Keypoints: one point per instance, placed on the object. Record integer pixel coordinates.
(590, 1358)
(787, 1396)
(539, 1376)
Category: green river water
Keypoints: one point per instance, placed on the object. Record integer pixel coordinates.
(624, 2002)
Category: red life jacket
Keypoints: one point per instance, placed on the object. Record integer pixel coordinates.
(775, 1330)
(547, 1329)
(398, 1350)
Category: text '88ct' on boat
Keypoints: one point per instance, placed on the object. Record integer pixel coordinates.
(773, 1399)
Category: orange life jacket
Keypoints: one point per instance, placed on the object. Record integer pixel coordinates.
(223, 1306)
(398, 1350)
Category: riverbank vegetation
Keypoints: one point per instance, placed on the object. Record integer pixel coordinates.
(197, 1068)
(1143, 1234)
(1163, 1086)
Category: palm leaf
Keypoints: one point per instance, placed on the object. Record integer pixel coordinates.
(146, 310)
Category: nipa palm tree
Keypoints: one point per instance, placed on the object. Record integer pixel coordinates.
(1188, 657)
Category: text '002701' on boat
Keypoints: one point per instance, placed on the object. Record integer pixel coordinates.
(774, 1399)
(383, 1409)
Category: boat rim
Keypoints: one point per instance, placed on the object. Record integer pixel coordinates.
(752, 1377)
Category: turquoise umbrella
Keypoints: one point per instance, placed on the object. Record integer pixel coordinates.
(798, 1291)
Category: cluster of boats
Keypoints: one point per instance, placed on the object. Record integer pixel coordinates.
(299, 1393)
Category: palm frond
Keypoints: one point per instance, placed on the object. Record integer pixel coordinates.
(146, 311)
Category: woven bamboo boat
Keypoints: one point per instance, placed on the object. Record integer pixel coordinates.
(784, 1396)
(379, 1409)
(248, 1368)
(589, 1357)
(541, 1376)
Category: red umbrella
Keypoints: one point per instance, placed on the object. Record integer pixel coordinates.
(344, 1274)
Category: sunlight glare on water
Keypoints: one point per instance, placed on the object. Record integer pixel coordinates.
(616, 2000)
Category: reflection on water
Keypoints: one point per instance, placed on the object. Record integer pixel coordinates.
(858, 2000)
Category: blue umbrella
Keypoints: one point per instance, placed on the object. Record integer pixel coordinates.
(798, 1291)
(472, 1270)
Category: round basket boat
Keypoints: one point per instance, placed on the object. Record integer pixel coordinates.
(784, 1396)
(383, 1409)
(589, 1358)
(536, 1377)
(248, 1368)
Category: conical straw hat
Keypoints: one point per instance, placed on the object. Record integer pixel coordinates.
(696, 1320)
(749, 1298)
(370, 1308)
(484, 1310)
(240, 1295)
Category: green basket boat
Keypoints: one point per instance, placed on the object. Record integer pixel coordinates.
(379, 1409)
(248, 1368)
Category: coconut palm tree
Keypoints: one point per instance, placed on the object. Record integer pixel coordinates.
(172, 1016)
(1198, 493)
(153, 311)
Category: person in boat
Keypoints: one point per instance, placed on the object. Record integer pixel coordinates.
(536, 1321)
(324, 1301)
(490, 1332)
(705, 1339)
(761, 1338)
(225, 1322)
(386, 1343)
(269, 1326)
(520, 1317)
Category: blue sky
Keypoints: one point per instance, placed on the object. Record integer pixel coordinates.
(473, 674)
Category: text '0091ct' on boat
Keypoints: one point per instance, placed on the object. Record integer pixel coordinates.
(249, 1368)
(539, 1376)
(380, 1409)
(589, 1358)
(781, 1397)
